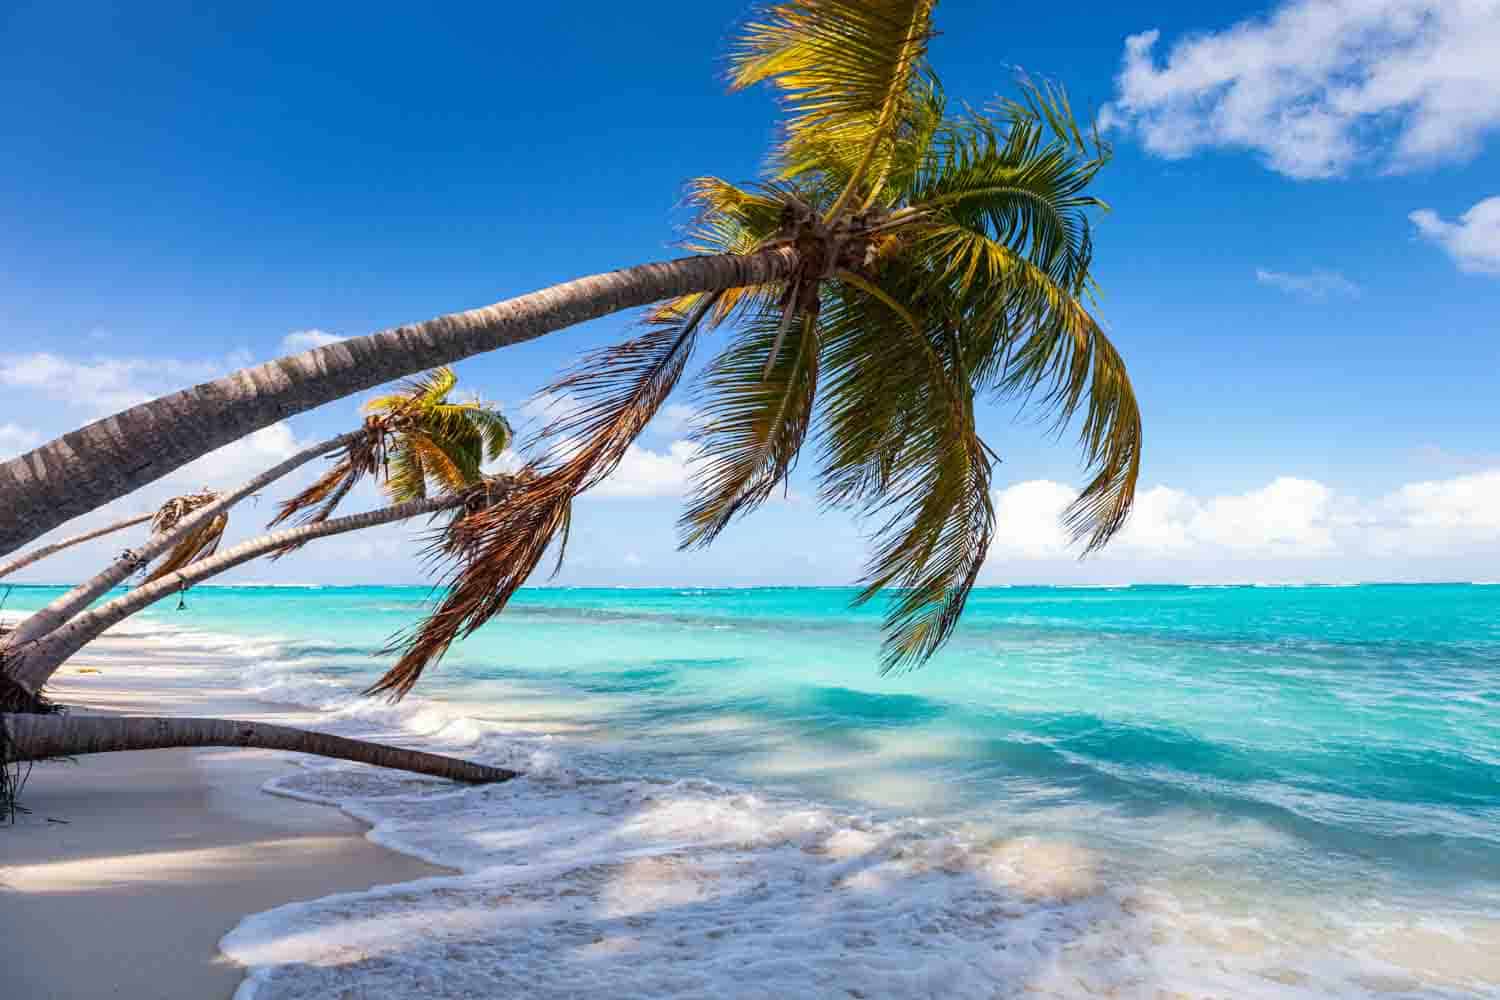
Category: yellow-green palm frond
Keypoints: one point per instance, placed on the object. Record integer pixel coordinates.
(616, 391)
(1068, 365)
(406, 475)
(845, 72)
(427, 389)
(449, 468)
(1010, 182)
(752, 422)
(924, 476)
(1029, 338)
(200, 543)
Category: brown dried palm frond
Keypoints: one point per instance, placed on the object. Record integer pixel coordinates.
(171, 513)
(200, 543)
(315, 504)
(617, 391)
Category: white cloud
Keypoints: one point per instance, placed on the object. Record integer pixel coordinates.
(240, 460)
(1288, 519)
(102, 385)
(15, 439)
(645, 473)
(306, 340)
(1319, 85)
(1314, 285)
(1474, 240)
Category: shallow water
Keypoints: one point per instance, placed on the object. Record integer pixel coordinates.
(1127, 791)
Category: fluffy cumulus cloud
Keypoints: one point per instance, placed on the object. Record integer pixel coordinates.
(1474, 240)
(1314, 285)
(306, 340)
(1289, 521)
(1319, 85)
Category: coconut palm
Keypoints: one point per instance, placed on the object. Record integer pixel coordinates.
(415, 438)
(937, 257)
(30, 667)
(33, 734)
(416, 432)
(175, 531)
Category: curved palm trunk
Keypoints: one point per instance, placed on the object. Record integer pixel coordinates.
(108, 458)
(54, 614)
(22, 561)
(30, 666)
(38, 737)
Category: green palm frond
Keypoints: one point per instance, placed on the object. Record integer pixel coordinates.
(845, 72)
(406, 476)
(752, 423)
(617, 390)
(924, 475)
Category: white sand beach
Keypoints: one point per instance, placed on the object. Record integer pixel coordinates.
(130, 867)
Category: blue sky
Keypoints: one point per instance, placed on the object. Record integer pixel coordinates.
(1302, 267)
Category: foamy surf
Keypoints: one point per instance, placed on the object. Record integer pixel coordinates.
(578, 879)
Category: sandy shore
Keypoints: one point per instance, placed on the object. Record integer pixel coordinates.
(131, 867)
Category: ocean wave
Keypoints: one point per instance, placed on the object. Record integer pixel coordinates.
(581, 879)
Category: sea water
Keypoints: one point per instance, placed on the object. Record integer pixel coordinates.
(1134, 791)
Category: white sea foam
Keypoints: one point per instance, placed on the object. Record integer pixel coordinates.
(580, 880)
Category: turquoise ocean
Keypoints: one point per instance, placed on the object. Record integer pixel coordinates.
(1129, 791)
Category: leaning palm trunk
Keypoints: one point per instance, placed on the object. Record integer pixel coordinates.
(30, 666)
(29, 737)
(21, 562)
(59, 611)
(111, 457)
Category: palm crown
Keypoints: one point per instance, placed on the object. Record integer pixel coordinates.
(415, 440)
(937, 257)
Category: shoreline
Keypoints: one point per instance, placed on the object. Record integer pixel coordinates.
(131, 867)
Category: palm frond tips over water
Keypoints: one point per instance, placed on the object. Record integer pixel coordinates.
(614, 394)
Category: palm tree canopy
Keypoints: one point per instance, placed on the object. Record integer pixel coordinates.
(940, 257)
(416, 440)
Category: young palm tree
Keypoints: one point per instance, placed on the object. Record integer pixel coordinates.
(413, 437)
(937, 257)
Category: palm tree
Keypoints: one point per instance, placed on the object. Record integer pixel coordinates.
(31, 666)
(33, 733)
(41, 552)
(414, 437)
(938, 256)
(82, 470)
(427, 450)
(416, 430)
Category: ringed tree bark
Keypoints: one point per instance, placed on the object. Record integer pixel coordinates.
(37, 554)
(109, 458)
(66, 606)
(29, 666)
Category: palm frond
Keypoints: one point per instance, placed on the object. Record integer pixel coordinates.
(200, 543)
(924, 475)
(845, 72)
(753, 422)
(618, 390)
